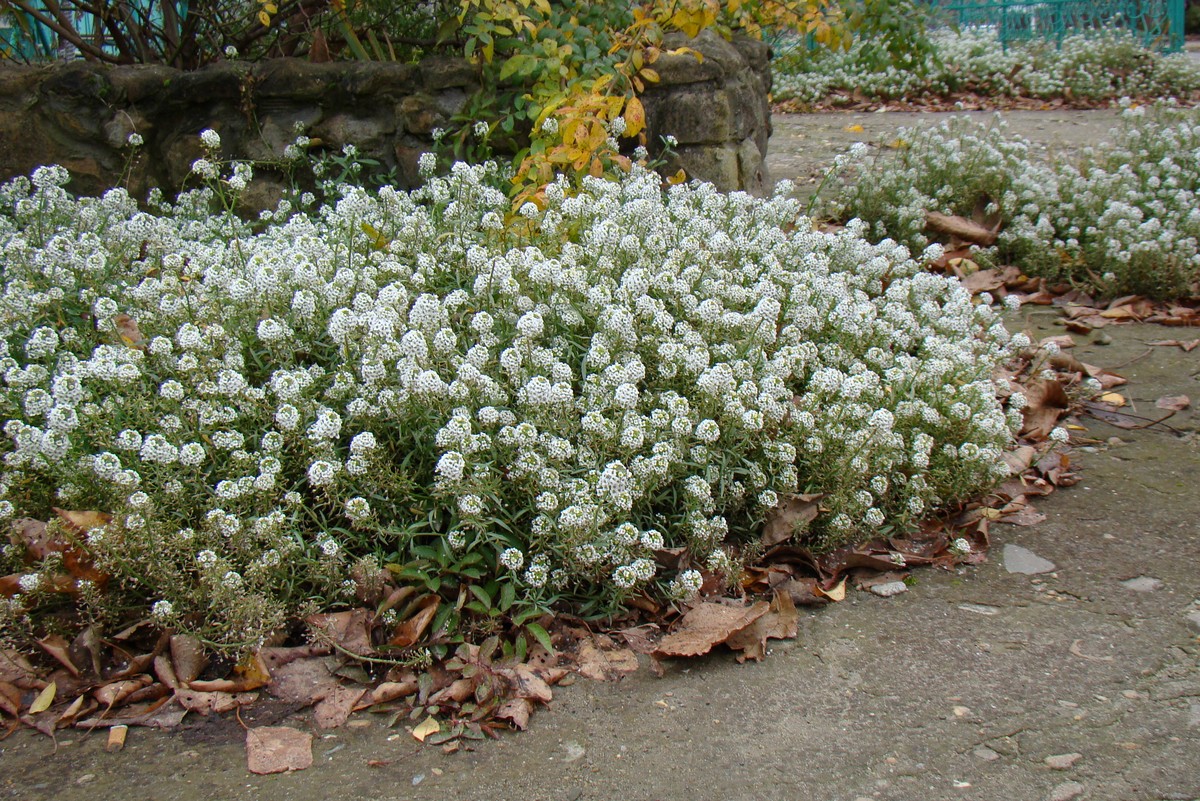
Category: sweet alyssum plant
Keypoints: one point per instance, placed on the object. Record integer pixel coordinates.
(1121, 218)
(973, 60)
(273, 412)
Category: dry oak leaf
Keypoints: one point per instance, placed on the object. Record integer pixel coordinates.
(781, 622)
(1047, 402)
(277, 749)
(516, 711)
(789, 517)
(1174, 403)
(707, 625)
(350, 630)
(334, 709)
(305, 681)
(208, 703)
(604, 664)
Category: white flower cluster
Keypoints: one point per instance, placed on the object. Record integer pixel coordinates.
(973, 59)
(569, 404)
(1123, 218)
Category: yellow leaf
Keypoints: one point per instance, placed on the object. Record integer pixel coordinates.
(1074, 427)
(1115, 398)
(836, 594)
(897, 144)
(635, 117)
(44, 700)
(649, 75)
(677, 178)
(855, 128)
(430, 726)
(378, 240)
(270, 8)
(265, 19)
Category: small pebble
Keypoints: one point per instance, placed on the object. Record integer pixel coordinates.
(961, 711)
(1065, 791)
(1102, 339)
(986, 754)
(86, 778)
(420, 777)
(1132, 694)
(1142, 584)
(1062, 761)
(888, 589)
(1025, 561)
(979, 609)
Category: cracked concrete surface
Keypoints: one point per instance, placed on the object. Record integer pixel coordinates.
(959, 689)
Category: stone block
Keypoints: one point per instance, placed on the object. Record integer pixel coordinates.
(446, 72)
(295, 79)
(140, 84)
(381, 80)
(752, 169)
(420, 114)
(694, 114)
(716, 164)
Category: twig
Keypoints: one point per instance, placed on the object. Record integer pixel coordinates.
(1134, 359)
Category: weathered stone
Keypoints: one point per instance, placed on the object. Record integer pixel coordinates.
(888, 589)
(1142, 584)
(696, 115)
(717, 164)
(1023, 560)
(443, 72)
(420, 115)
(1062, 761)
(221, 81)
(295, 79)
(684, 68)
(752, 175)
(80, 114)
(1066, 791)
(141, 83)
(368, 134)
(381, 79)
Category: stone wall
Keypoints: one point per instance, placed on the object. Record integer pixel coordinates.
(79, 114)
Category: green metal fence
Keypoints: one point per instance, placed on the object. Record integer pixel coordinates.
(1158, 23)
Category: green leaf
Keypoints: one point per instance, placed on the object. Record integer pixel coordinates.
(508, 594)
(541, 635)
(481, 594)
(513, 64)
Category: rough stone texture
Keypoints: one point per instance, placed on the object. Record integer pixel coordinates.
(80, 114)
(1023, 560)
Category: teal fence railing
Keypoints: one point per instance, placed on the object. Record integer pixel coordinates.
(24, 38)
(1157, 23)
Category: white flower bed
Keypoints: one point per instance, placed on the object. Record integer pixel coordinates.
(1121, 218)
(400, 375)
(973, 60)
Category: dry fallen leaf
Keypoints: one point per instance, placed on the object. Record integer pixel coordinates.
(516, 711)
(334, 709)
(350, 630)
(44, 699)
(604, 664)
(277, 749)
(790, 516)
(428, 727)
(834, 593)
(1175, 403)
(780, 623)
(1047, 402)
(707, 625)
